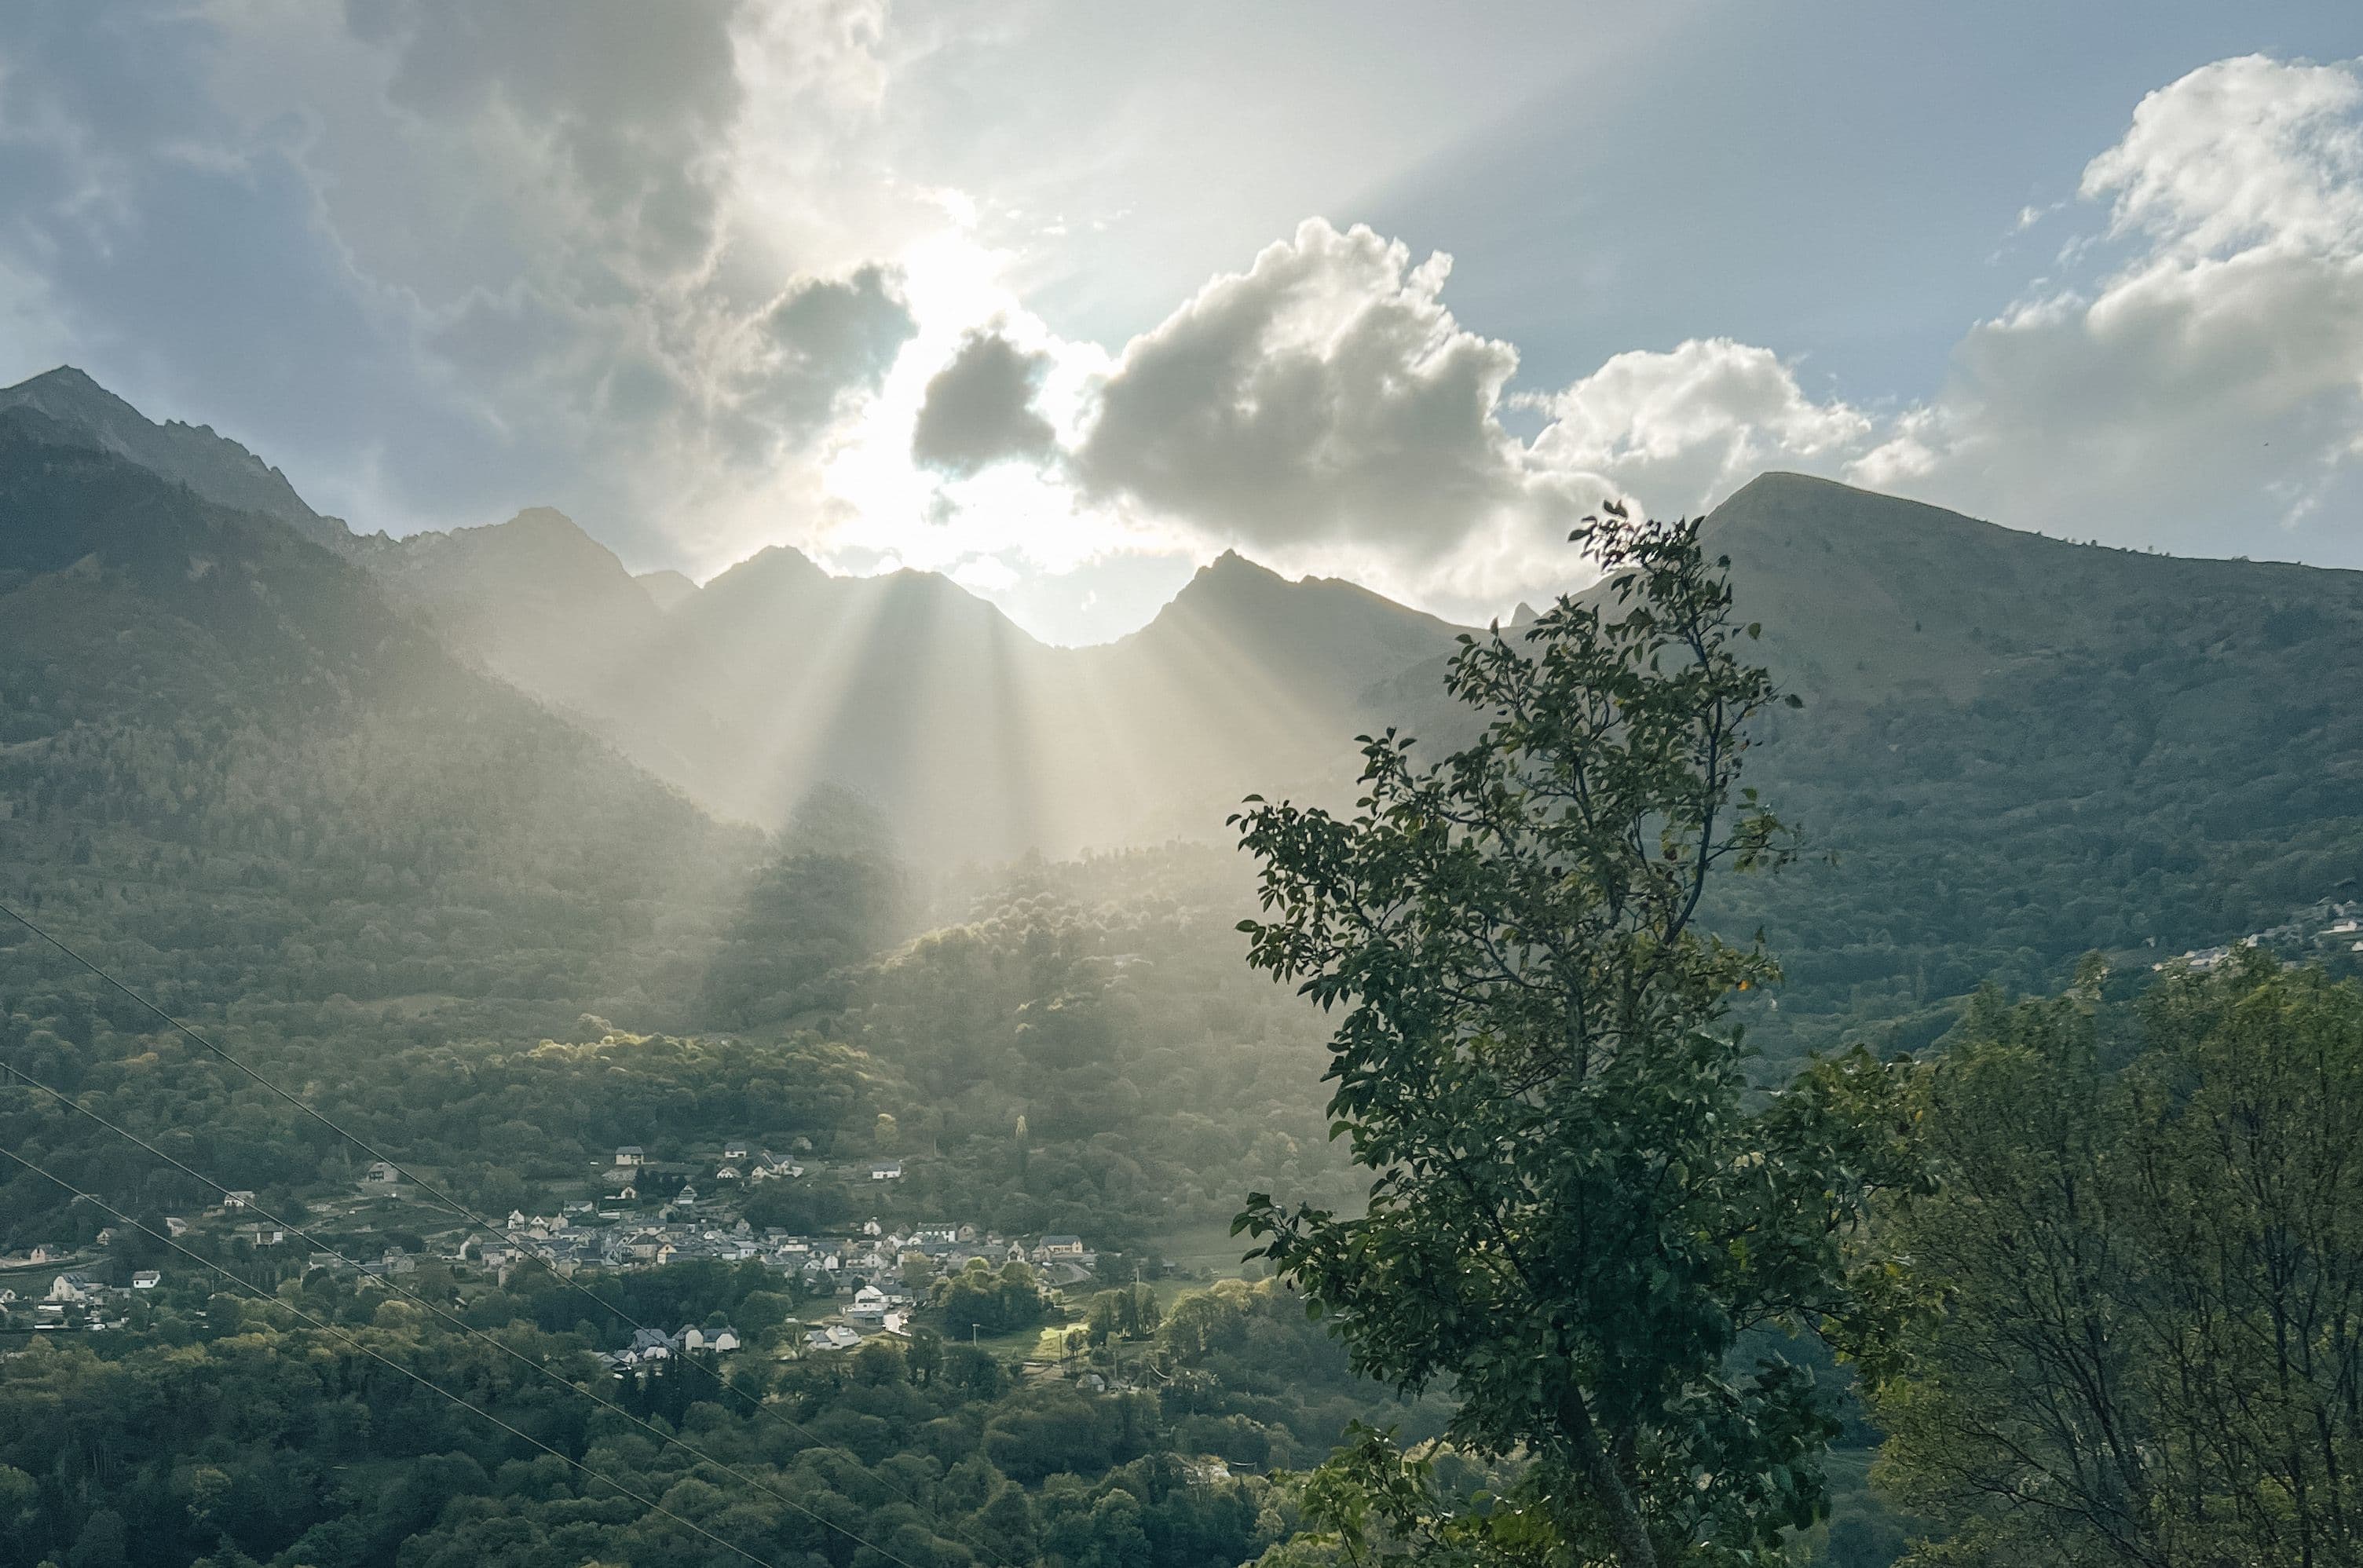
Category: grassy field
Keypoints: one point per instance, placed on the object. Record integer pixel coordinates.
(1210, 1250)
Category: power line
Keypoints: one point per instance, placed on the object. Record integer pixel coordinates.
(417, 1377)
(469, 1329)
(479, 1220)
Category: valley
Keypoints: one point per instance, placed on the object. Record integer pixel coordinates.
(500, 860)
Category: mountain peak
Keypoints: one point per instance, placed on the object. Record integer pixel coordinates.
(666, 587)
(212, 465)
(1225, 580)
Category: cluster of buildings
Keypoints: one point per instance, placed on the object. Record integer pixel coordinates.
(78, 1299)
(652, 1347)
(875, 1274)
(2318, 931)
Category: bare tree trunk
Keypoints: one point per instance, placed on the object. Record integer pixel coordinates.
(1633, 1547)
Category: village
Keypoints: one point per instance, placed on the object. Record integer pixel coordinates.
(872, 1279)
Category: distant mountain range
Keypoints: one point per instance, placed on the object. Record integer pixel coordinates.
(2017, 746)
(776, 677)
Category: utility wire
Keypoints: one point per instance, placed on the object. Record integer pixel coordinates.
(417, 1377)
(479, 1220)
(469, 1329)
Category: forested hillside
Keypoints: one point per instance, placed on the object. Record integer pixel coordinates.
(2014, 750)
(228, 762)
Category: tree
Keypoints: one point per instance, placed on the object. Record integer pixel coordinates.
(2150, 1279)
(1575, 1209)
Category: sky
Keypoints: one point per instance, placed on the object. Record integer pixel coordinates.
(1064, 298)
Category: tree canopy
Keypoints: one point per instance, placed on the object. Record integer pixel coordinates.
(1575, 1208)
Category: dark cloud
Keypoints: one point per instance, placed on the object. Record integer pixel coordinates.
(978, 409)
(628, 98)
(830, 335)
(437, 258)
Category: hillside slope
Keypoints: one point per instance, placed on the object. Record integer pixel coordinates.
(226, 758)
(2018, 750)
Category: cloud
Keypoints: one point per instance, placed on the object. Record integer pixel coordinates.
(1325, 393)
(1326, 410)
(979, 410)
(2204, 391)
(1682, 429)
(442, 260)
(2197, 384)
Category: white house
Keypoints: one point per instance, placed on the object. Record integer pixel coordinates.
(886, 1170)
(73, 1287)
(382, 1172)
(735, 1150)
(239, 1197)
(631, 1155)
(145, 1279)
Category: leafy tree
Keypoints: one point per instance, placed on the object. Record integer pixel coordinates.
(1575, 1210)
(2150, 1279)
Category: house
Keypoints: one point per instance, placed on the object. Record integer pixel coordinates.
(239, 1197)
(735, 1151)
(631, 1157)
(836, 1336)
(381, 1172)
(886, 1170)
(175, 1227)
(651, 1344)
(73, 1287)
(106, 1236)
(145, 1279)
(695, 1338)
(726, 1173)
(1060, 1246)
(45, 1253)
(577, 1206)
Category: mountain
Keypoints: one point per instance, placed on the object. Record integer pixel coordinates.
(229, 759)
(666, 589)
(2013, 748)
(976, 739)
(2016, 749)
(777, 677)
(213, 466)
